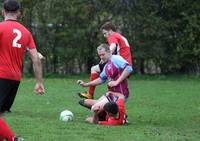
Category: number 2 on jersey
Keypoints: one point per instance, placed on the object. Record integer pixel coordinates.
(17, 38)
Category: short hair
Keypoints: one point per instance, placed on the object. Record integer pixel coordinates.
(111, 107)
(108, 26)
(11, 5)
(103, 46)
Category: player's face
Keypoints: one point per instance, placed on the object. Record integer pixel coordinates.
(103, 55)
(105, 33)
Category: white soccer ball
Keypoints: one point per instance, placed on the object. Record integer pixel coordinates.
(66, 116)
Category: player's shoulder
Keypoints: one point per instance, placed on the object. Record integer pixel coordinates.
(117, 34)
(13, 24)
(3, 23)
(22, 27)
(116, 57)
(114, 35)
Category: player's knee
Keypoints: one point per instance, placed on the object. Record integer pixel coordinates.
(95, 69)
(96, 107)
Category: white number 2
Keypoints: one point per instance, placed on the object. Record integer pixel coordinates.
(17, 38)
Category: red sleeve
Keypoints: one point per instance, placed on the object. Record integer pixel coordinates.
(103, 123)
(111, 122)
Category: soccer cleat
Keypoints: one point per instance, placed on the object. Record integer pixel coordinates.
(18, 139)
(126, 119)
(82, 103)
(9, 111)
(85, 95)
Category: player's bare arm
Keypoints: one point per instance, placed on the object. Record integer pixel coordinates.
(113, 48)
(91, 83)
(37, 65)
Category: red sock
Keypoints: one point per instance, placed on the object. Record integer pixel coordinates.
(1, 139)
(5, 132)
(93, 76)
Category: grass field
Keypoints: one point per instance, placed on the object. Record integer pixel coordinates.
(159, 109)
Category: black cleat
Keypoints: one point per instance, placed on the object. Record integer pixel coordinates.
(9, 111)
(82, 103)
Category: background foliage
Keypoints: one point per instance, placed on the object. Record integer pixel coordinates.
(164, 35)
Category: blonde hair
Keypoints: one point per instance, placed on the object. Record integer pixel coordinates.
(105, 47)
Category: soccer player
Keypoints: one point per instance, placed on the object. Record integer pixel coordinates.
(115, 71)
(113, 113)
(10, 103)
(14, 41)
(118, 46)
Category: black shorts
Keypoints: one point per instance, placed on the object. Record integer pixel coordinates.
(8, 91)
(101, 66)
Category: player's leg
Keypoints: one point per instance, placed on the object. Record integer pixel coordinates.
(11, 98)
(94, 74)
(99, 104)
(87, 103)
(8, 89)
(97, 108)
(5, 132)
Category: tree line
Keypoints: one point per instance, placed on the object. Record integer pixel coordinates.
(163, 35)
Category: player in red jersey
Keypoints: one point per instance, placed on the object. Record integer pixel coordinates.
(115, 111)
(118, 46)
(14, 41)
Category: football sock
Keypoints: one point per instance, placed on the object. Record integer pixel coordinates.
(5, 132)
(93, 76)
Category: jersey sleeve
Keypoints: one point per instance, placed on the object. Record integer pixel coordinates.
(121, 63)
(103, 123)
(110, 122)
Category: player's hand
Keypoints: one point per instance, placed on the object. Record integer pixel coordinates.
(112, 84)
(39, 89)
(40, 56)
(82, 83)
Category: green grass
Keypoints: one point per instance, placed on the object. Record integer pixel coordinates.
(166, 109)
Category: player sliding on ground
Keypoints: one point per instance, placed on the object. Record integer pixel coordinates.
(112, 113)
(118, 45)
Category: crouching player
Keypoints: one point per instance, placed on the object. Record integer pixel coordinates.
(113, 113)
